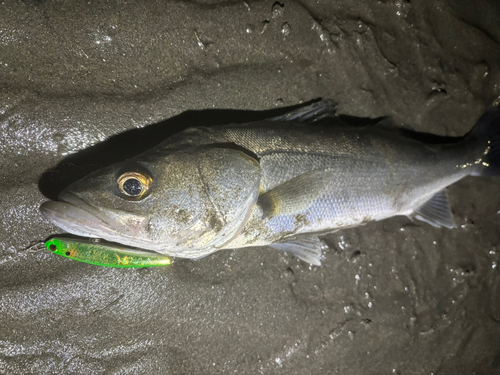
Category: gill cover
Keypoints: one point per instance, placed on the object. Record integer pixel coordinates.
(211, 193)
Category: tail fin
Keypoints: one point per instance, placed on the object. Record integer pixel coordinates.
(488, 130)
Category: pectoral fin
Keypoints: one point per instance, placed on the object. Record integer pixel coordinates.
(295, 195)
(307, 249)
(436, 211)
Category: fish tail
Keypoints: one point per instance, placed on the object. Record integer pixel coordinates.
(487, 131)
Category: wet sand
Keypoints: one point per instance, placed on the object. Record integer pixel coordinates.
(85, 84)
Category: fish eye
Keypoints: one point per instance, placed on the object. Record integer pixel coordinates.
(134, 184)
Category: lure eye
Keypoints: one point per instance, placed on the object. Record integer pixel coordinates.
(52, 247)
(134, 184)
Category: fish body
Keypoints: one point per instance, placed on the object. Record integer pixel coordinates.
(105, 254)
(279, 182)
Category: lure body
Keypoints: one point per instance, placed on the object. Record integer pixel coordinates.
(105, 254)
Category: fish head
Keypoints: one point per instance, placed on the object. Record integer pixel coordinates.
(185, 203)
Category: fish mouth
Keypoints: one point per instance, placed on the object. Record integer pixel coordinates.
(75, 216)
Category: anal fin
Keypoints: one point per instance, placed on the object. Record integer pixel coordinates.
(436, 211)
(307, 249)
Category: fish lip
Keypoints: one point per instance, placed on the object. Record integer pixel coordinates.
(99, 213)
(72, 214)
(75, 201)
(73, 219)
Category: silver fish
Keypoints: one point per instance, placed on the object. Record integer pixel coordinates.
(280, 182)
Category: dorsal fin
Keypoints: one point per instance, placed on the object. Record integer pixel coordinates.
(311, 114)
(436, 211)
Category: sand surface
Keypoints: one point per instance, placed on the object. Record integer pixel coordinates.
(85, 84)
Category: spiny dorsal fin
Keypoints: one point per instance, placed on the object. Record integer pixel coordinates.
(295, 195)
(311, 114)
(436, 211)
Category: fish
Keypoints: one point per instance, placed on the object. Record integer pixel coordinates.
(282, 182)
(105, 254)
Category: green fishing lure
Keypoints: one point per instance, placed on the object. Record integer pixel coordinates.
(105, 254)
